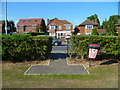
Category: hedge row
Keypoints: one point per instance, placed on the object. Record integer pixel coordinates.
(22, 47)
(109, 45)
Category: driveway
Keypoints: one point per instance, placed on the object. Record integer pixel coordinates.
(58, 64)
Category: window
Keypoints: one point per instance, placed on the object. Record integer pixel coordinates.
(23, 21)
(52, 27)
(35, 20)
(33, 27)
(67, 27)
(52, 34)
(89, 27)
(29, 20)
(59, 27)
(88, 33)
(21, 28)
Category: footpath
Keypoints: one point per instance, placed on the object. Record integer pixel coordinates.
(57, 65)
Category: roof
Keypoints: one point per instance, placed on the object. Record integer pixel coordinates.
(65, 22)
(56, 20)
(101, 30)
(2, 21)
(35, 21)
(118, 22)
(88, 22)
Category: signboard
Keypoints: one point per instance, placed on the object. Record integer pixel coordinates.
(92, 53)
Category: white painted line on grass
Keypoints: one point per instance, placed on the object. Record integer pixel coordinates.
(27, 70)
(85, 69)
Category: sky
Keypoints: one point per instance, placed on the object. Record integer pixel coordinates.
(74, 12)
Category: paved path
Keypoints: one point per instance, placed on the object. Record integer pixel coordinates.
(58, 65)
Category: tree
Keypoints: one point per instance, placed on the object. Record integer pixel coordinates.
(94, 18)
(114, 18)
(95, 32)
(13, 25)
(110, 25)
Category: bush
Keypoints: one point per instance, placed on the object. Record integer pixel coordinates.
(109, 45)
(36, 33)
(23, 47)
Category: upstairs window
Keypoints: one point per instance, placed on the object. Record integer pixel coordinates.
(67, 27)
(35, 20)
(52, 27)
(23, 21)
(59, 27)
(29, 20)
(89, 27)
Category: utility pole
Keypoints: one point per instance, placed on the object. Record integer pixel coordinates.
(5, 16)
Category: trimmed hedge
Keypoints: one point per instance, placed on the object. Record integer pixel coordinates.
(22, 47)
(109, 45)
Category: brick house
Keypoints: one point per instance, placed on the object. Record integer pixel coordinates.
(85, 28)
(29, 25)
(2, 27)
(59, 28)
(118, 26)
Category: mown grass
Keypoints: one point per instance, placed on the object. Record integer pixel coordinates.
(100, 77)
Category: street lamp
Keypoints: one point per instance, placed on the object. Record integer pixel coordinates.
(67, 38)
(6, 16)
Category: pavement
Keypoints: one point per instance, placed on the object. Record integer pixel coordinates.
(57, 65)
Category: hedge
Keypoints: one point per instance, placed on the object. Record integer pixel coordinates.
(79, 45)
(23, 47)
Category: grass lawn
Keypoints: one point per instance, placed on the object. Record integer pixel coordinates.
(104, 76)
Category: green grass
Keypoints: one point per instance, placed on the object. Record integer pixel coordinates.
(99, 77)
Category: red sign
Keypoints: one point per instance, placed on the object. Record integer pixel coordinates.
(92, 53)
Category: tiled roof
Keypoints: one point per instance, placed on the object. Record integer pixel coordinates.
(65, 22)
(88, 22)
(2, 21)
(35, 21)
(56, 21)
(101, 30)
(118, 22)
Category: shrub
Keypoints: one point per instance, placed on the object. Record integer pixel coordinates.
(21, 47)
(36, 33)
(109, 44)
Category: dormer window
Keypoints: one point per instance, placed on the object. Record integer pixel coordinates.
(35, 20)
(89, 27)
(23, 21)
(29, 20)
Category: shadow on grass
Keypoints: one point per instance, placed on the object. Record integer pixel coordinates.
(109, 62)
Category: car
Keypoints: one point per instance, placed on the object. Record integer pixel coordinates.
(56, 42)
(67, 37)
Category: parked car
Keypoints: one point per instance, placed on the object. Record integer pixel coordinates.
(68, 36)
(56, 42)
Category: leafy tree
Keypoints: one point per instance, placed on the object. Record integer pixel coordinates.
(110, 25)
(13, 25)
(114, 18)
(95, 32)
(94, 18)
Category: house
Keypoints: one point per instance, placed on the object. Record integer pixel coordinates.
(118, 26)
(2, 27)
(30, 25)
(100, 31)
(59, 28)
(85, 28)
